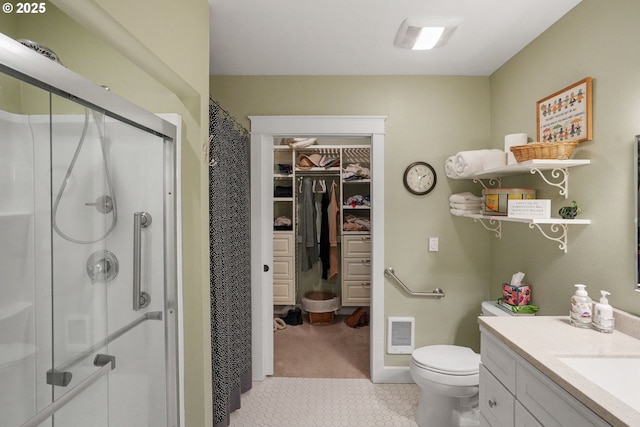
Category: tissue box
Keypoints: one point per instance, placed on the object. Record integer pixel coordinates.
(516, 295)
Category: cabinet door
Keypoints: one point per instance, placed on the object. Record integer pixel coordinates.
(496, 403)
(357, 269)
(524, 418)
(356, 246)
(551, 404)
(283, 268)
(283, 292)
(282, 244)
(356, 292)
(499, 360)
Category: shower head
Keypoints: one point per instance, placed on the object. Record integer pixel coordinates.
(42, 50)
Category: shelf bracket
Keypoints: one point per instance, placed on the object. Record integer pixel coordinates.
(494, 226)
(556, 173)
(492, 182)
(561, 231)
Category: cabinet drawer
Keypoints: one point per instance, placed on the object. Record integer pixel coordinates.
(283, 292)
(356, 292)
(496, 403)
(283, 244)
(499, 360)
(357, 269)
(551, 404)
(524, 418)
(283, 268)
(356, 246)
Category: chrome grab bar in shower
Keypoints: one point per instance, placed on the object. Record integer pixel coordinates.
(61, 377)
(106, 363)
(140, 220)
(436, 293)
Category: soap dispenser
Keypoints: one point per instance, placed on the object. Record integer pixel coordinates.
(581, 308)
(603, 320)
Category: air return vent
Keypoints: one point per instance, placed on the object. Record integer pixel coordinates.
(401, 335)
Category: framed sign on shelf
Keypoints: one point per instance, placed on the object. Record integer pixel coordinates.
(566, 115)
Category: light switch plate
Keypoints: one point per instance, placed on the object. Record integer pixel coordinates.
(433, 244)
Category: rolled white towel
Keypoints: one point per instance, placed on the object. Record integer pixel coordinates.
(464, 197)
(461, 212)
(468, 163)
(449, 168)
(466, 206)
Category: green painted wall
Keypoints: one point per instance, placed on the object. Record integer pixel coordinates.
(599, 40)
(428, 118)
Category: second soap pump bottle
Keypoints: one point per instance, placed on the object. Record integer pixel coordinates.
(603, 320)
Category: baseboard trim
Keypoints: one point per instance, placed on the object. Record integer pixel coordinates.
(392, 375)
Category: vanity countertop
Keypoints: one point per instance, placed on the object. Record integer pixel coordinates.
(541, 340)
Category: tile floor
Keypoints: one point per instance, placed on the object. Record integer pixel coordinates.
(319, 402)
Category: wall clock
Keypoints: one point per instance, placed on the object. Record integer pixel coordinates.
(420, 178)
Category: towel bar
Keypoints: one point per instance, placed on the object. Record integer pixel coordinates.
(436, 293)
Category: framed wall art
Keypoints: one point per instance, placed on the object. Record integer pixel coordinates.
(566, 115)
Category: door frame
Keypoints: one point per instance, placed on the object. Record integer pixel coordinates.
(264, 130)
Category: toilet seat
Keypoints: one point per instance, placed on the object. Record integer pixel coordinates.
(447, 360)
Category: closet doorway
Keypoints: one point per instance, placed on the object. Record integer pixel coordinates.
(267, 151)
(322, 256)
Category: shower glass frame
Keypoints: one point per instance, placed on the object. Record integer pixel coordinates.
(28, 66)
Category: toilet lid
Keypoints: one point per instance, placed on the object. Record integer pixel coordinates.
(447, 359)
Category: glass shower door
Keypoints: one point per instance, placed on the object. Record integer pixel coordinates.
(107, 222)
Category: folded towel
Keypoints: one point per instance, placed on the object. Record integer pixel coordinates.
(471, 206)
(464, 197)
(461, 212)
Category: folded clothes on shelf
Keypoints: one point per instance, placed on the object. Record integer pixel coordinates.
(358, 200)
(356, 223)
(354, 171)
(283, 223)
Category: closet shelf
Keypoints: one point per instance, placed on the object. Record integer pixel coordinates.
(283, 199)
(558, 228)
(357, 181)
(356, 207)
(318, 170)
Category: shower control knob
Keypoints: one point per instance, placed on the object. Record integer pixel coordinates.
(145, 299)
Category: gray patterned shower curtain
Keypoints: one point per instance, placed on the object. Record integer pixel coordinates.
(230, 262)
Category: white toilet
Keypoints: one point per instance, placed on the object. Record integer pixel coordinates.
(448, 380)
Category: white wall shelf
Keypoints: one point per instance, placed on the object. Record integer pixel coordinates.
(558, 228)
(554, 229)
(559, 172)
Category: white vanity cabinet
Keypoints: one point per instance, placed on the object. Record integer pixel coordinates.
(514, 393)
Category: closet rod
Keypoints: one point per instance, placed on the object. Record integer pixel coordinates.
(436, 293)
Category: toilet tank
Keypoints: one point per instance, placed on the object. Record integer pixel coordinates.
(492, 308)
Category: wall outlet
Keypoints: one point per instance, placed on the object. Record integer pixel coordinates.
(433, 244)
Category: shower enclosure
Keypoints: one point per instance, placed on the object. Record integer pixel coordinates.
(89, 289)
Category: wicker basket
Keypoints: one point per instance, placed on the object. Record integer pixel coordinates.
(544, 150)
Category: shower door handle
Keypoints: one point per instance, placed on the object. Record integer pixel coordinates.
(140, 220)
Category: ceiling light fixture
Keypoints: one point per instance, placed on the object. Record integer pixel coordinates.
(425, 33)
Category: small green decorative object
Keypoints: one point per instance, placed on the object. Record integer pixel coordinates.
(570, 212)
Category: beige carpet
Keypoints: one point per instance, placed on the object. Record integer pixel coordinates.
(322, 351)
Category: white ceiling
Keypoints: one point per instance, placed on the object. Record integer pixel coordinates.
(355, 37)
